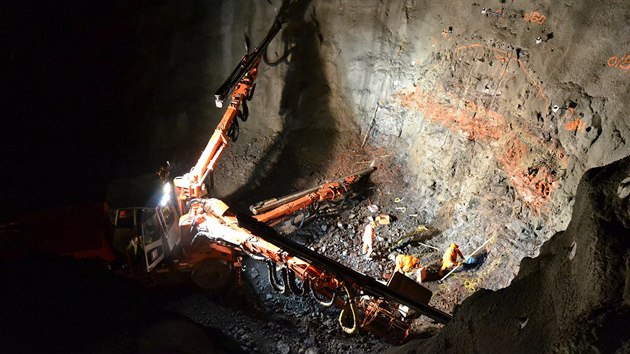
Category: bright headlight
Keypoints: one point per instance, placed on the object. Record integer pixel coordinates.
(165, 199)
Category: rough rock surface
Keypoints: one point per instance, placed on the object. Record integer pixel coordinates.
(458, 114)
(572, 298)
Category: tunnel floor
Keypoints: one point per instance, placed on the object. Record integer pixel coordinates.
(74, 305)
(77, 306)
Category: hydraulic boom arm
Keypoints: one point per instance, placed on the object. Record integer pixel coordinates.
(241, 83)
(270, 211)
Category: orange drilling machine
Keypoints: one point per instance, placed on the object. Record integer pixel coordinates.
(206, 240)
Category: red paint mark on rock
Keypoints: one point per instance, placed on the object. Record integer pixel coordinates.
(535, 17)
(623, 63)
(529, 162)
(575, 125)
(472, 120)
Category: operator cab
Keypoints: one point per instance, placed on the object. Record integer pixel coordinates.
(155, 230)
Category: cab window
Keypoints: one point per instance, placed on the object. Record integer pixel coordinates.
(169, 218)
(125, 219)
(150, 227)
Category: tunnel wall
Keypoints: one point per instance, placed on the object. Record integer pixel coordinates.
(466, 99)
(572, 298)
(458, 102)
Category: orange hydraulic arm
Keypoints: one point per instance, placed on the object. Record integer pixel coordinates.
(271, 211)
(241, 84)
(191, 185)
(365, 302)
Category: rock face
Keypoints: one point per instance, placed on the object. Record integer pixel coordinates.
(466, 102)
(573, 297)
(480, 125)
(482, 121)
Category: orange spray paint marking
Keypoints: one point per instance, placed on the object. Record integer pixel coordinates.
(535, 17)
(623, 63)
(533, 181)
(575, 125)
(518, 152)
(502, 57)
(474, 121)
(474, 45)
(523, 156)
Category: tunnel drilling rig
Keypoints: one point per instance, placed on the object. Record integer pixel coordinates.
(208, 239)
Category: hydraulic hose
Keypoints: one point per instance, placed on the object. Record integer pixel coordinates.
(274, 281)
(322, 302)
(353, 310)
(289, 281)
(368, 286)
